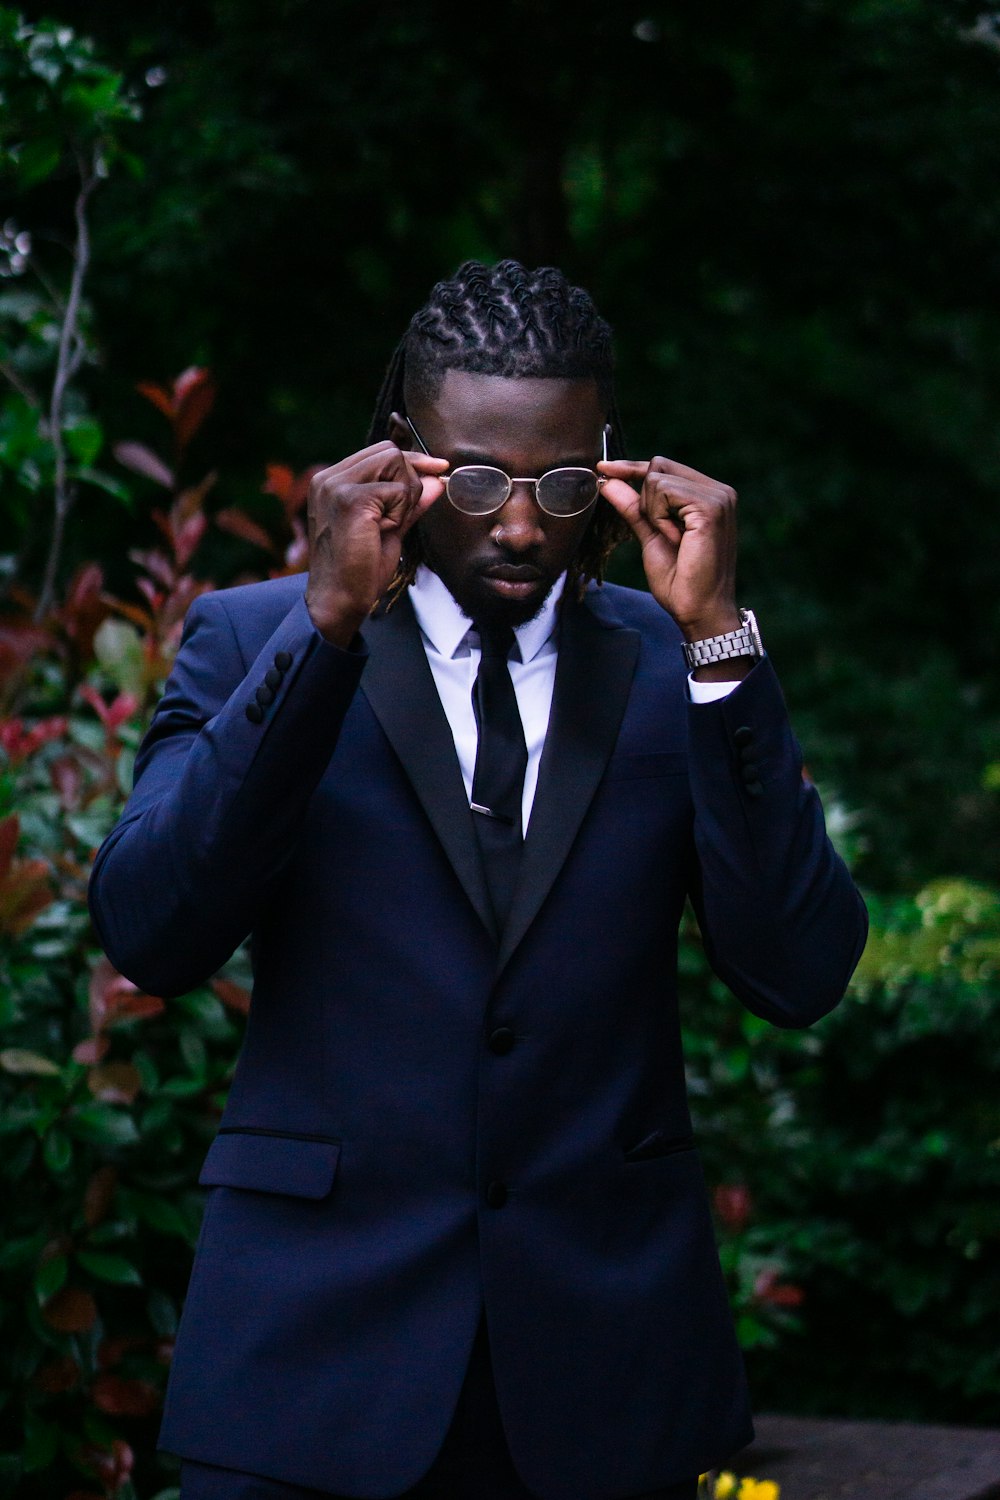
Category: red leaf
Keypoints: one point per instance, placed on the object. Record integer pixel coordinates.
(161, 399)
(114, 998)
(24, 893)
(115, 1082)
(238, 523)
(195, 396)
(66, 775)
(98, 1195)
(767, 1288)
(58, 1375)
(187, 538)
(10, 832)
(70, 1311)
(733, 1205)
(233, 995)
(112, 1466)
(142, 460)
(92, 1050)
(124, 1398)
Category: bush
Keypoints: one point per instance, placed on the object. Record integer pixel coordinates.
(854, 1166)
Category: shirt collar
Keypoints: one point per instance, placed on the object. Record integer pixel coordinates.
(446, 627)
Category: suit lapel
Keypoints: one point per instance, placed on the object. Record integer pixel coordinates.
(593, 680)
(399, 685)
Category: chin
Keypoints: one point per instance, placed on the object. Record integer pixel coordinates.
(480, 603)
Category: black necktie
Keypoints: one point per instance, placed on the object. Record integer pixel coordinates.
(501, 761)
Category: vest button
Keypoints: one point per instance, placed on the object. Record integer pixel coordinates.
(496, 1195)
(501, 1041)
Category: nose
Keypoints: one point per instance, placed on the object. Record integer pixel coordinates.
(520, 518)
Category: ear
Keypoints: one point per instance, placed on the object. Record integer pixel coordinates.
(401, 433)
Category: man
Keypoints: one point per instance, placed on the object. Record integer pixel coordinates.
(457, 1242)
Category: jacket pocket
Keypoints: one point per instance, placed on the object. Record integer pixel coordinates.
(265, 1162)
(659, 1144)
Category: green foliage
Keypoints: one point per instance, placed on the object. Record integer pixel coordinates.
(865, 1159)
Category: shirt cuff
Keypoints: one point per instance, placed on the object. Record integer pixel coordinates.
(709, 692)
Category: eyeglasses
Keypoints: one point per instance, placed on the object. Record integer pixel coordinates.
(480, 489)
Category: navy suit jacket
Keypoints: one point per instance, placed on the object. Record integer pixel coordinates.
(352, 1236)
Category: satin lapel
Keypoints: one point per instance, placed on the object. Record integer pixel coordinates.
(593, 680)
(398, 684)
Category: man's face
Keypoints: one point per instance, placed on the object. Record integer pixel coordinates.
(499, 568)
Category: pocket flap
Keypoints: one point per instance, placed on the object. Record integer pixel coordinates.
(298, 1166)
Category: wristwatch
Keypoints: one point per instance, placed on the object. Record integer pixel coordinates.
(743, 642)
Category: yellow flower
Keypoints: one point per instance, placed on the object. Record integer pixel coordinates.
(725, 1485)
(758, 1489)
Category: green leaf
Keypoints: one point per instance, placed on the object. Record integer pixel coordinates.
(162, 1314)
(38, 159)
(57, 1151)
(84, 439)
(102, 1125)
(20, 1252)
(108, 1267)
(50, 1277)
(19, 1060)
(41, 1443)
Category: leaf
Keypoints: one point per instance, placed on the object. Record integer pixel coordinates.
(142, 460)
(51, 1277)
(124, 1398)
(71, 1311)
(232, 994)
(161, 399)
(41, 1442)
(194, 397)
(102, 1125)
(238, 523)
(115, 1082)
(108, 1267)
(57, 1152)
(98, 1195)
(20, 1061)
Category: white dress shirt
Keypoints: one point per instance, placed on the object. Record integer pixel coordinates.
(452, 647)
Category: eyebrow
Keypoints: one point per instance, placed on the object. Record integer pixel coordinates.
(473, 456)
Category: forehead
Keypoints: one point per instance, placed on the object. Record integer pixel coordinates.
(526, 421)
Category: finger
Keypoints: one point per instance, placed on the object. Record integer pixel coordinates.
(424, 464)
(623, 498)
(657, 465)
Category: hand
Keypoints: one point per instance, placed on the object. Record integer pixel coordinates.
(358, 514)
(686, 526)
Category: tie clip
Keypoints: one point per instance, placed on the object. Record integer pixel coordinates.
(487, 812)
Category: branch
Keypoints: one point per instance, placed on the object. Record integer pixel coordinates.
(67, 363)
(20, 385)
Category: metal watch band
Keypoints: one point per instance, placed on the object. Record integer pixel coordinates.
(743, 642)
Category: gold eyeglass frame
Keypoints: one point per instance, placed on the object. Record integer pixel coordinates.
(557, 515)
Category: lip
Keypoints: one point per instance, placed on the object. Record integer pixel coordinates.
(512, 580)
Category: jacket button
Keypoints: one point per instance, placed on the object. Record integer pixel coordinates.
(750, 771)
(496, 1195)
(283, 661)
(501, 1041)
(754, 789)
(254, 713)
(743, 735)
(273, 677)
(264, 696)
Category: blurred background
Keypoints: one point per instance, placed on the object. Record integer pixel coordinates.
(217, 220)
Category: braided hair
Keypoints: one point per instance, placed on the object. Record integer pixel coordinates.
(504, 320)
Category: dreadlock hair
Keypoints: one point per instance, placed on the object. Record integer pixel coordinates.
(504, 320)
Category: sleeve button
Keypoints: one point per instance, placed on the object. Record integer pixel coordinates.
(273, 677)
(283, 661)
(254, 713)
(264, 696)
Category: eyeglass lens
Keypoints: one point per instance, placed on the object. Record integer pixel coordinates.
(479, 489)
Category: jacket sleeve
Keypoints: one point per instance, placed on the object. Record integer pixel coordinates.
(782, 922)
(222, 782)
